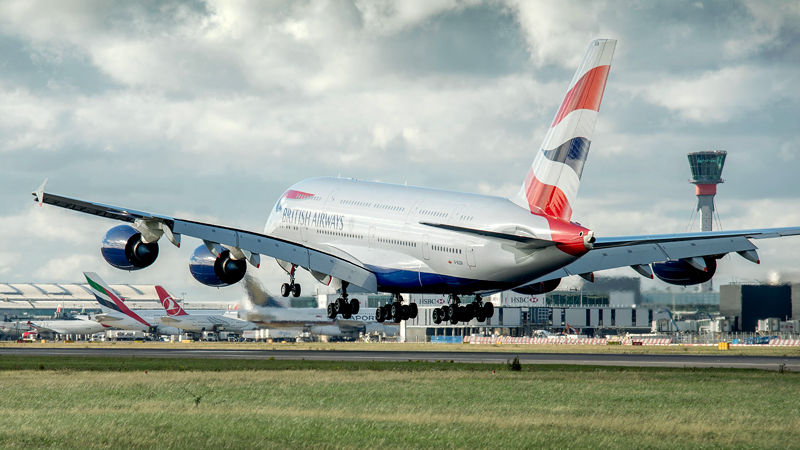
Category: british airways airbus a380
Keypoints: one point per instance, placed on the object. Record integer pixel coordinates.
(389, 238)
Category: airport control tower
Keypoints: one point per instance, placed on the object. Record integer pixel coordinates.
(706, 175)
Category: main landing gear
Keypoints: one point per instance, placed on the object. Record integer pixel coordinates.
(396, 310)
(343, 306)
(456, 312)
(291, 287)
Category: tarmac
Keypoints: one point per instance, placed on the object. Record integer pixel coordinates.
(605, 359)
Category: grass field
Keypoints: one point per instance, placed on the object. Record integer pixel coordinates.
(356, 346)
(165, 403)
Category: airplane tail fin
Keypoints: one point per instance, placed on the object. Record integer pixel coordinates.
(109, 301)
(551, 185)
(170, 305)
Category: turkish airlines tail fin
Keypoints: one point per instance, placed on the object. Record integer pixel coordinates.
(170, 305)
(551, 186)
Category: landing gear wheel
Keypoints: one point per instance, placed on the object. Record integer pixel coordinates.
(437, 316)
(355, 305)
(445, 313)
(285, 289)
(295, 290)
(406, 312)
(341, 304)
(454, 314)
(387, 312)
(414, 311)
(488, 310)
(469, 312)
(331, 311)
(379, 315)
(397, 311)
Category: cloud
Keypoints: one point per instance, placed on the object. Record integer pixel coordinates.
(721, 95)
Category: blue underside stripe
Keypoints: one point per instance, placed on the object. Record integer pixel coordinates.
(390, 279)
(572, 153)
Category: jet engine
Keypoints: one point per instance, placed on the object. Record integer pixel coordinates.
(124, 249)
(683, 273)
(538, 288)
(216, 270)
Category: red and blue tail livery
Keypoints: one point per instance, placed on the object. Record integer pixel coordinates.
(551, 186)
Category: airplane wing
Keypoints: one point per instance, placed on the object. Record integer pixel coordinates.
(613, 252)
(351, 271)
(41, 327)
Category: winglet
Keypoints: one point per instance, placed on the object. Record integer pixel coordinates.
(39, 192)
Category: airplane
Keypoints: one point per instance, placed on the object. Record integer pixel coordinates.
(79, 325)
(178, 317)
(261, 308)
(362, 236)
(117, 314)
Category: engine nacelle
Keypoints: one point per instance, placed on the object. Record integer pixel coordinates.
(124, 249)
(216, 271)
(538, 288)
(684, 274)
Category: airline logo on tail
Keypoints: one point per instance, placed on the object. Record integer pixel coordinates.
(551, 186)
(170, 305)
(106, 297)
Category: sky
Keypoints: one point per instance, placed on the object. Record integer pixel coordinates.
(210, 110)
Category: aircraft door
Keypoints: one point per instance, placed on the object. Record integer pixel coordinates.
(372, 236)
(471, 256)
(426, 247)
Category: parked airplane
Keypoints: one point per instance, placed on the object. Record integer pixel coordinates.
(79, 325)
(117, 314)
(178, 317)
(266, 311)
(382, 237)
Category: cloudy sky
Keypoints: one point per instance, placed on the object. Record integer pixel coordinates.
(209, 110)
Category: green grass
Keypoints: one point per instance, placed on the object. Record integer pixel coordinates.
(179, 403)
(358, 346)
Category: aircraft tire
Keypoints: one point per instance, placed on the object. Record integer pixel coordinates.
(437, 318)
(355, 305)
(285, 290)
(406, 311)
(295, 290)
(488, 310)
(397, 311)
(331, 311)
(414, 310)
(341, 305)
(445, 313)
(379, 315)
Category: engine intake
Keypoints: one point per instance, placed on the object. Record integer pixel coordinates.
(216, 271)
(124, 249)
(538, 288)
(682, 273)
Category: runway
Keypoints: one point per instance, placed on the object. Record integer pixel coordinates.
(592, 359)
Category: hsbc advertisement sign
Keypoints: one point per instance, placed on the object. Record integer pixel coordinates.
(509, 299)
(522, 301)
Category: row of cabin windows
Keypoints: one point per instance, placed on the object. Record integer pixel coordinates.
(369, 204)
(397, 242)
(339, 233)
(428, 212)
(441, 248)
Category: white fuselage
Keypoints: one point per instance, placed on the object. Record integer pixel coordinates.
(207, 322)
(380, 226)
(76, 326)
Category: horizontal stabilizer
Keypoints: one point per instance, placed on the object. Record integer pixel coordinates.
(530, 242)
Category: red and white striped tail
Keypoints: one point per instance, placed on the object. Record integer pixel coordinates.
(551, 186)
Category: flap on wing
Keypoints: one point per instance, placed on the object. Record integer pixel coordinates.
(529, 241)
